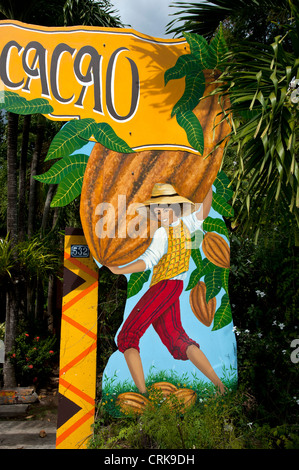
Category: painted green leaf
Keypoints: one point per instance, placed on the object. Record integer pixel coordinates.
(224, 278)
(11, 101)
(70, 138)
(220, 205)
(208, 55)
(69, 188)
(223, 315)
(204, 266)
(18, 104)
(189, 122)
(200, 49)
(194, 90)
(196, 256)
(215, 225)
(104, 134)
(136, 282)
(207, 266)
(36, 106)
(193, 280)
(4, 94)
(61, 168)
(221, 184)
(185, 65)
(213, 283)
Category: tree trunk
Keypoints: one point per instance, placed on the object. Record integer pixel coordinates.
(33, 182)
(12, 308)
(51, 304)
(50, 195)
(39, 302)
(12, 297)
(22, 176)
(12, 191)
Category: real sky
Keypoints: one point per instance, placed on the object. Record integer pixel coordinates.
(146, 16)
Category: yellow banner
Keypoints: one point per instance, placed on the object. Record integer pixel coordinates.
(111, 75)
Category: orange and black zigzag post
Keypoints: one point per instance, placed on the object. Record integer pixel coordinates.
(77, 369)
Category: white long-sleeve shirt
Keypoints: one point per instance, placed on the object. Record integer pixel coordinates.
(159, 244)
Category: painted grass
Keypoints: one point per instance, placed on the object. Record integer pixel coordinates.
(112, 387)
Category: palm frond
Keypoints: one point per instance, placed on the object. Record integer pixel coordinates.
(257, 79)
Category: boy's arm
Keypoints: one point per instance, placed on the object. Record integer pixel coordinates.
(135, 267)
(151, 256)
(206, 206)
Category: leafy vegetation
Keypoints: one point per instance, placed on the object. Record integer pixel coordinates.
(25, 207)
(213, 423)
(34, 358)
(262, 413)
(257, 74)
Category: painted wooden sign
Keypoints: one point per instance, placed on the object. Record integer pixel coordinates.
(143, 149)
(110, 75)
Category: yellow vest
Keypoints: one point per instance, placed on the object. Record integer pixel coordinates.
(176, 260)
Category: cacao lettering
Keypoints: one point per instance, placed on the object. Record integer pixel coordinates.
(110, 88)
(36, 64)
(34, 72)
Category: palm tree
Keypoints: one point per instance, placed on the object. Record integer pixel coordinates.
(61, 12)
(258, 72)
(45, 13)
(90, 13)
(255, 20)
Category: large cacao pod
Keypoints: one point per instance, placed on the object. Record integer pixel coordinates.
(166, 388)
(203, 310)
(111, 177)
(216, 249)
(130, 402)
(183, 397)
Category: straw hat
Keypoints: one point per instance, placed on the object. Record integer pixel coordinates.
(163, 193)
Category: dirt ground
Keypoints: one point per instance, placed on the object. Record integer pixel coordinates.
(46, 408)
(34, 427)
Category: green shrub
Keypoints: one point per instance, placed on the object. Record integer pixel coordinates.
(216, 422)
(33, 358)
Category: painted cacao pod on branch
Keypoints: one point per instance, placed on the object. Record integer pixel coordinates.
(203, 311)
(216, 249)
(116, 179)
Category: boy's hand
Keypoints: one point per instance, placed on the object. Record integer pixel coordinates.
(135, 267)
(114, 269)
(203, 213)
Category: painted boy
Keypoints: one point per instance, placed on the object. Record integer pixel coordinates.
(168, 255)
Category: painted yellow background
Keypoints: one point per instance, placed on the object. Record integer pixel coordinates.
(152, 126)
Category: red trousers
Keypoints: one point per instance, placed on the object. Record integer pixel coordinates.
(160, 307)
